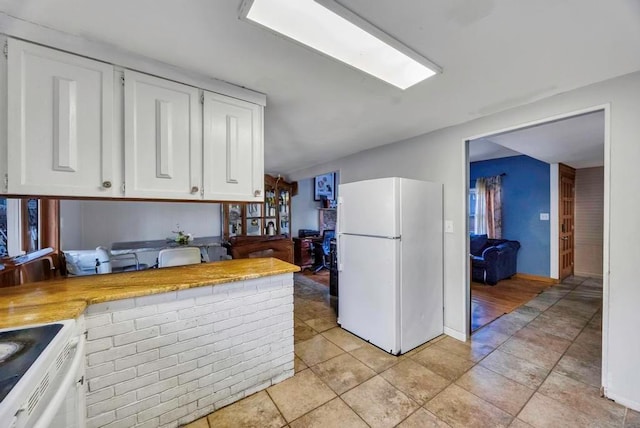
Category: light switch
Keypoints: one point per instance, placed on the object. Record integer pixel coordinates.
(448, 226)
(544, 216)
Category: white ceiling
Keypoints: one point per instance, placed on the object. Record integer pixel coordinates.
(496, 54)
(577, 141)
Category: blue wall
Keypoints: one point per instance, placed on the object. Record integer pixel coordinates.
(525, 194)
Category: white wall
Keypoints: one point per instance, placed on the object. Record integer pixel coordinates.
(589, 203)
(304, 210)
(440, 156)
(71, 225)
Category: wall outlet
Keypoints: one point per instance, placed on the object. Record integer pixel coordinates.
(448, 226)
(544, 216)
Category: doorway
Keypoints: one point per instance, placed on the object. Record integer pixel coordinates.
(546, 233)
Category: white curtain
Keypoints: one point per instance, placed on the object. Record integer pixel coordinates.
(488, 218)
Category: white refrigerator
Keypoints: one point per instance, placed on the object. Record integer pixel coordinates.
(390, 246)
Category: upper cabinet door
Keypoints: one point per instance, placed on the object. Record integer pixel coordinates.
(163, 149)
(60, 117)
(233, 149)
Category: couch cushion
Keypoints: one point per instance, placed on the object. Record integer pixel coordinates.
(477, 243)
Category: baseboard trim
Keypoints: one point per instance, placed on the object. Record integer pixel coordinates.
(455, 334)
(530, 277)
(589, 274)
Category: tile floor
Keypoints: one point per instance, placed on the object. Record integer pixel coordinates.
(538, 366)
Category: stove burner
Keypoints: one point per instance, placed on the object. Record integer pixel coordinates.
(9, 349)
(19, 349)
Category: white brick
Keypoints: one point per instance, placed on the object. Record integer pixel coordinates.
(175, 305)
(155, 320)
(157, 410)
(137, 359)
(177, 370)
(195, 292)
(101, 370)
(194, 396)
(102, 420)
(98, 345)
(195, 332)
(213, 356)
(110, 330)
(156, 342)
(178, 326)
(214, 377)
(150, 423)
(156, 366)
(222, 325)
(282, 375)
(195, 353)
(111, 404)
(187, 345)
(157, 388)
(138, 407)
(116, 305)
(215, 397)
(213, 317)
(137, 383)
(283, 292)
(102, 395)
(216, 297)
(173, 415)
(97, 320)
(112, 379)
(111, 354)
(195, 311)
(194, 374)
(123, 423)
(257, 298)
(136, 336)
(134, 313)
(256, 388)
(155, 299)
(172, 393)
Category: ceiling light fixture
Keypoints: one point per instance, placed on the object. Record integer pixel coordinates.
(333, 30)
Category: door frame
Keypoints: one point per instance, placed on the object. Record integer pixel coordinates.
(554, 232)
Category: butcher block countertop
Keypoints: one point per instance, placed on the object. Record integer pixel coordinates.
(67, 298)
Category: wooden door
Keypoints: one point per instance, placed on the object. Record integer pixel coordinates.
(232, 147)
(163, 144)
(60, 127)
(566, 208)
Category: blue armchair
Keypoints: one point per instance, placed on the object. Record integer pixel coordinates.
(493, 259)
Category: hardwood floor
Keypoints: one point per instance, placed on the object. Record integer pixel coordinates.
(489, 302)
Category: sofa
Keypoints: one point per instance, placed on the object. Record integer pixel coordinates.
(493, 259)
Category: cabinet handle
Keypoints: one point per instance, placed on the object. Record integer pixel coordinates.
(194, 189)
(106, 184)
(257, 193)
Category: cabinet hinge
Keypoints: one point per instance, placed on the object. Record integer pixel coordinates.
(122, 79)
(6, 182)
(202, 99)
(123, 187)
(5, 49)
(202, 191)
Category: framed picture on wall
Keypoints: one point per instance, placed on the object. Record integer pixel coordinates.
(325, 187)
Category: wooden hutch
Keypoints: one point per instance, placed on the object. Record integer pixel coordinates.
(261, 229)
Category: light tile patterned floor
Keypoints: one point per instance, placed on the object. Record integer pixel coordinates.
(538, 366)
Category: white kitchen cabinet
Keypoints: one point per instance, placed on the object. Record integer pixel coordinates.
(232, 149)
(163, 140)
(59, 129)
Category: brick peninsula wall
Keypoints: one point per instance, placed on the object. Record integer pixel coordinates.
(167, 359)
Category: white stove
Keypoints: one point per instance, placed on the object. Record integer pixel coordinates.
(41, 376)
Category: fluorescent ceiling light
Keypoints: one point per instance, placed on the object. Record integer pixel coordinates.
(328, 27)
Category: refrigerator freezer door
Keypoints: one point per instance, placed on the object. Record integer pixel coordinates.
(369, 208)
(368, 302)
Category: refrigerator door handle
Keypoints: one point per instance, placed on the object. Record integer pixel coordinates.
(339, 208)
(339, 252)
(371, 236)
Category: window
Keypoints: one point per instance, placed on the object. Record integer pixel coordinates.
(27, 225)
(4, 251)
(472, 210)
